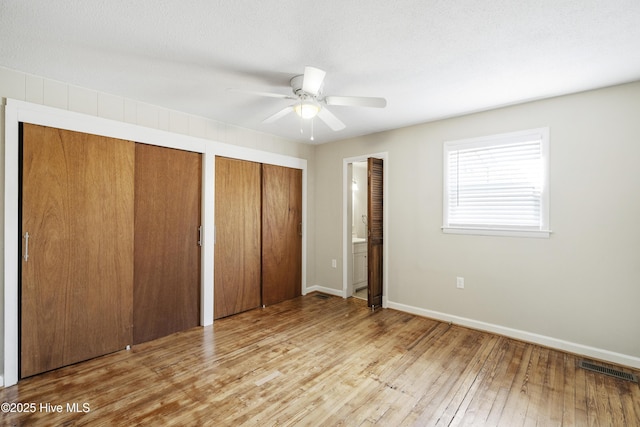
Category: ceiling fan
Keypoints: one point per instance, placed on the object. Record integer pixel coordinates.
(310, 102)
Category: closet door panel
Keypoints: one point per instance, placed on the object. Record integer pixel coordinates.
(237, 248)
(375, 202)
(77, 207)
(166, 291)
(281, 233)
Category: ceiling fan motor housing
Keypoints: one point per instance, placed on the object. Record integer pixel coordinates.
(296, 86)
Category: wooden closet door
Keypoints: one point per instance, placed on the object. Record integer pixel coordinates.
(281, 233)
(375, 233)
(76, 285)
(166, 293)
(237, 248)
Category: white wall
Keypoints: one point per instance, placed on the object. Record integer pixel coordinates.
(578, 290)
(37, 90)
(360, 199)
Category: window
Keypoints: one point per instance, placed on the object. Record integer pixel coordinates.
(497, 185)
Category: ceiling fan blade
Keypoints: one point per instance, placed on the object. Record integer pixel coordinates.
(356, 101)
(312, 80)
(332, 121)
(267, 94)
(278, 115)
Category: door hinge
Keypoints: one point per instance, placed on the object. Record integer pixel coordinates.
(200, 236)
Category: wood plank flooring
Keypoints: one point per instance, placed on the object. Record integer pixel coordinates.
(327, 361)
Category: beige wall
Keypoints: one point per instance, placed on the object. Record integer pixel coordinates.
(582, 285)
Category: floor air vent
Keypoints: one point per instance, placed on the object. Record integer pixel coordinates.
(607, 371)
(322, 296)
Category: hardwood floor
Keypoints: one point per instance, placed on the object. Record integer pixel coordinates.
(319, 360)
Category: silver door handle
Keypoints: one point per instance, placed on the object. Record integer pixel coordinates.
(26, 246)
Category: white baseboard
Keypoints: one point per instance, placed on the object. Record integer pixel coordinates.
(570, 347)
(330, 291)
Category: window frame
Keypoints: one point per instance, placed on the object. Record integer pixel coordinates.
(543, 230)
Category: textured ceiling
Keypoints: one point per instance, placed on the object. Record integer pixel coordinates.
(429, 58)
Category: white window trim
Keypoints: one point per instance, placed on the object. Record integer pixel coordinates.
(543, 231)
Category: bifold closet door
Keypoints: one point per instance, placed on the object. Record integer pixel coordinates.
(166, 291)
(375, 208)
(281, 233)
(237, 245)
(77, 247)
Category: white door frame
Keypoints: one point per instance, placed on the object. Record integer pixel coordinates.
(346, 236)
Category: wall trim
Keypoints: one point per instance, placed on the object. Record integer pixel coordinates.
(325, 290)
(555, 343)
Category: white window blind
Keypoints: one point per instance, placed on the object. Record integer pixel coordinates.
(496, 183)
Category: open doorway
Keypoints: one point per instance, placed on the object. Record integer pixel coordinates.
(359, 220)
(363, 226)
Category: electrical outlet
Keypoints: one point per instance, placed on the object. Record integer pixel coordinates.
(460, 282)
(334, 263)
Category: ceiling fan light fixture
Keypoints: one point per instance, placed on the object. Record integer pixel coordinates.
(306, 109)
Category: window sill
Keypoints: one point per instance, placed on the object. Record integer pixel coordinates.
(539, 234)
